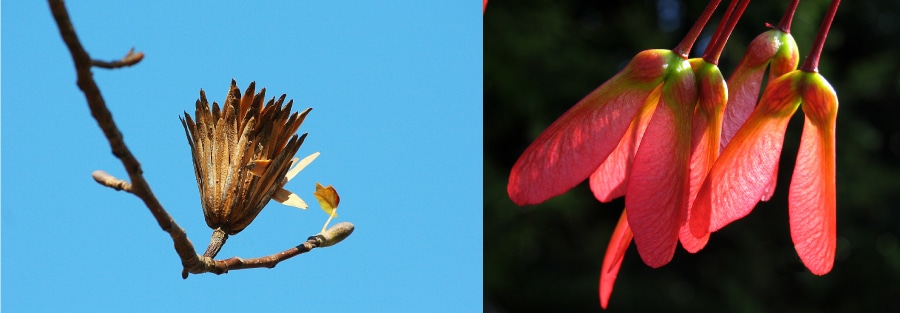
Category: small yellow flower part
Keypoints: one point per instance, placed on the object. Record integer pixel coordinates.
(328, 200)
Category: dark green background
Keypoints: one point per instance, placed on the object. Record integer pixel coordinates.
(542, 56)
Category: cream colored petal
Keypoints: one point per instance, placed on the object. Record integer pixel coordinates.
(289, 198)
(301, 165)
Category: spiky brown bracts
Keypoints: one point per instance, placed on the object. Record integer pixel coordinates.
(242, 154)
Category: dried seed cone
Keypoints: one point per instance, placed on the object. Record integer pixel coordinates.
(241, 154)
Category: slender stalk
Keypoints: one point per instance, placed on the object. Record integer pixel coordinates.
(811, 64)
(785, 24)
(684, 47)
(725, 17)
(216, 242)
(713, 51)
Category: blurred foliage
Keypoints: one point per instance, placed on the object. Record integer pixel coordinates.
(542, 56)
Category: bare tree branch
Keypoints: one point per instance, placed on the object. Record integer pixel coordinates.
(190, 260)
(104, 119)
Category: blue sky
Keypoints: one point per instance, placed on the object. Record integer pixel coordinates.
(396, 92)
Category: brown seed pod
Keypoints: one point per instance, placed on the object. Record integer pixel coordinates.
(242, 154)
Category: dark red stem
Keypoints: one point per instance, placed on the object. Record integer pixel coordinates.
(715, 38)
(714, 50)
(684, 47)
(785, 24)
(811, 64)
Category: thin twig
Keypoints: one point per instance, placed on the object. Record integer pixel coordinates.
(330, 237)
(130, 59)
(190, 260)
(327, 238)
(107, 180)
(236, 263)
